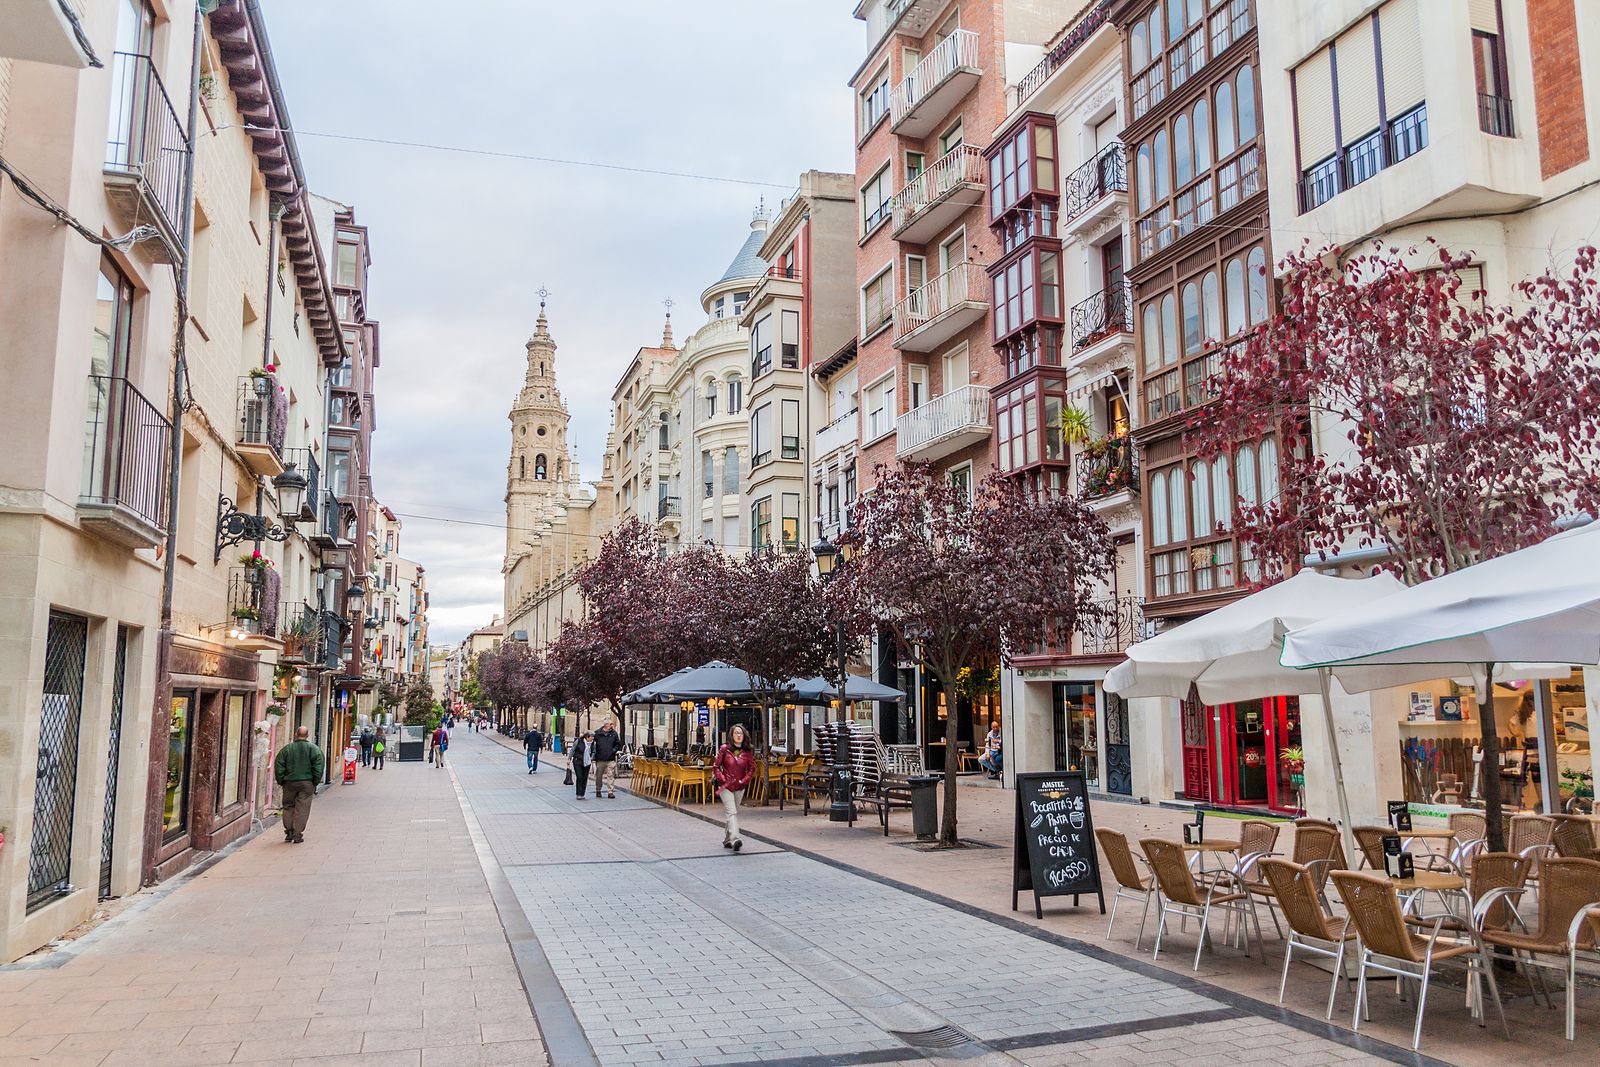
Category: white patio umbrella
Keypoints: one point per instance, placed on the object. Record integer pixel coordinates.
(1232, 653)
(1539, 605)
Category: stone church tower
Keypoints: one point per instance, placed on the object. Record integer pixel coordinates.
(541, 473)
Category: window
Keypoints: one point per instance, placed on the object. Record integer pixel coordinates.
(708, 473)
(1489, 70)
(880, 408)
(761, 522)
(954, 365)
(951, 139)
(916, 386)
(876, 201)
(1227, 141)
(339, 466)
(790, 531)
(541, 467)
(789, 340)
(739, 301)
(1234, 280)
(341, 375)
(873, 103)
(112, 342)
(1012, 167)
(1256, 274)
(789, 429)
(735, 395)
(711, 399)
(961, 478)
(1017, 435)
(877, 302)
(720, 309)
(915, 162)
(730, 472)
(761, 436)
(662, 441)
(347, 268)
(180, 737)
(761, 347)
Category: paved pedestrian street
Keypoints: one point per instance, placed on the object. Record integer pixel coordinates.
(480, 915)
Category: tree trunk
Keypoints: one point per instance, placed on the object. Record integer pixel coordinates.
(1490, 768)
(947, 821)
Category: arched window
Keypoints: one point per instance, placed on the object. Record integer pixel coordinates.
(1225, 138)
(1255, 269)
(1211, 306)
(1179, 500)
(1192, 339)
(1138, 47)
(735, 395)
(1159, 529)
(1269, 470)
(1202, 136)
(1246, 89)
(1234, 282)
(1146, 189)
(1163, 166)
(1152, 337)
(1245, 466)
(711, 399)
(1169, 329)
(1222, 493)
(1155, 33)
(539, 467)
(1200, 492)
(1182, 151)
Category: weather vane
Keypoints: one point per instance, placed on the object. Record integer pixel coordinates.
(668, 304)
(543, 295)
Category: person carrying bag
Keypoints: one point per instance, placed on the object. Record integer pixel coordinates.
(732, 770)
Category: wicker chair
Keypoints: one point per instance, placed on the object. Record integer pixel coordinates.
(1183, 895)
(1389, 946)
(1369, 840)
(1530, 835)
(1573, 838)
(1256, 840)
(1569, 924)
(1472, 836)
(1311, 928)
(1130, 883)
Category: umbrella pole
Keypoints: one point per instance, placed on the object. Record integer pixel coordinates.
(1324, 683)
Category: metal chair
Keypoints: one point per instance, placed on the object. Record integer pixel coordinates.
(1569, 924)
(1390, 946)
(1311, 928)
(1183, 895)
(1130, 883)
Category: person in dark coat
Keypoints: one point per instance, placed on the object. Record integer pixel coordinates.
(531, 744)
(582, 760)
(366, 740)
(607, 746)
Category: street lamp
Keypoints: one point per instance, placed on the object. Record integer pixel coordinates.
(355, 596)
(291, 487)
(687, 707)
(840, 790)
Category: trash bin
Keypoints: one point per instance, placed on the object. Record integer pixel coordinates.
(925, 805)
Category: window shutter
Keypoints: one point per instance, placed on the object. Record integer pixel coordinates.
(1485, 15)
(1358, 82)
(1402, 56)
(1313, 88)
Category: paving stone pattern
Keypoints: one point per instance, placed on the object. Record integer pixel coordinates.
(673, 951)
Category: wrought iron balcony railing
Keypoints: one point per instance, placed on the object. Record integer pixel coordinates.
(1105, 314)
(1105, 174)
(1058, 55)
(669, 507)
(1108, 466)
(263, 412)
(129, 440)
(253, 599)
(1494, 115)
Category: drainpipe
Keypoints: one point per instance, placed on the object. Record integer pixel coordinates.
(160, 720)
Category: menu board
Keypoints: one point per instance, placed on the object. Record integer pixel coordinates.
(1054, 852)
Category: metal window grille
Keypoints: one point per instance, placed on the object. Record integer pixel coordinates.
(113, 751)
(56, 778)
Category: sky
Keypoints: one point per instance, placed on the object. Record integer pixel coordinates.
(462, 242)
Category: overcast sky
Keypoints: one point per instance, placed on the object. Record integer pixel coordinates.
(750, 89)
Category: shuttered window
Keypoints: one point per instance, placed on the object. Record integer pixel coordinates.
(1402, 51)
(1358, 82)
(1313, 89)
(1484, 15)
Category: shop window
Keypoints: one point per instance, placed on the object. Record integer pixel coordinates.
(180, 741)
(235, 743)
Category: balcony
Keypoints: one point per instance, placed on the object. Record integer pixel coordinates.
(933, 88)
(840, 433)
(1110, 626)
(253, 605)
(301, 633)
(1107, 314)
(933, 200)
(1494, 115)
(1106, 468)
(669, 509)
(945, 424)
(262, 419)
(125, 467)
(939, 310)
(40, 30)
(330, 646)
(304, 461)
(1058, 56)
(332, 529)
(1097, 190)
(145, 151)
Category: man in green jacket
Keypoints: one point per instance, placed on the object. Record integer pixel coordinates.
(298, 769)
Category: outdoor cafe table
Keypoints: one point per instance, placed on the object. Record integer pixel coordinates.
(1200, 850)
(1441, 884)
(1429, 834)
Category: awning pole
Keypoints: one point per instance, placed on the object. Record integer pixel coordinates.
(1324, 682)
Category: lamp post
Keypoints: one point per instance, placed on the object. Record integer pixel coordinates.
(840, 787)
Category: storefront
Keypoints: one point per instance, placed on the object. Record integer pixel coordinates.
(1089, 732)
(200, 761)
(1245, 754)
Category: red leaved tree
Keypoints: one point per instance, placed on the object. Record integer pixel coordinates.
(965, 581)
(1444, 428)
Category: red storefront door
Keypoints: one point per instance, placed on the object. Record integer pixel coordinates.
(1246, 740)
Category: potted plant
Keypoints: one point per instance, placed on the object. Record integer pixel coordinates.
(1076, 426)
(276, 712)
(261, 378)
(1294, 761)
(247, 619)
(256, 565)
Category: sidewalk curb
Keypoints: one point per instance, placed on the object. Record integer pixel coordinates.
(1245, 1004)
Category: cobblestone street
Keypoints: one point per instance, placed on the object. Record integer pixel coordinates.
(414, 929)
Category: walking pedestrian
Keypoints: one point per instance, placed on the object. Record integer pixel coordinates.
(582, 758)
(531, 744)
(735, 765)
(298, 769)
(607, 744)
(441, 742)
(380, 741)
(366, 739)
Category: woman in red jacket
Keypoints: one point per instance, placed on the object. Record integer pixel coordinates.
(734, 767)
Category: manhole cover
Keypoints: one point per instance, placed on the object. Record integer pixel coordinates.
(938, 1037)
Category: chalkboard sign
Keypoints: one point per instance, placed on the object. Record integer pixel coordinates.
(1054, 853)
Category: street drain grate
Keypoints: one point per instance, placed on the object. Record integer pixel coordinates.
(939, 1037)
